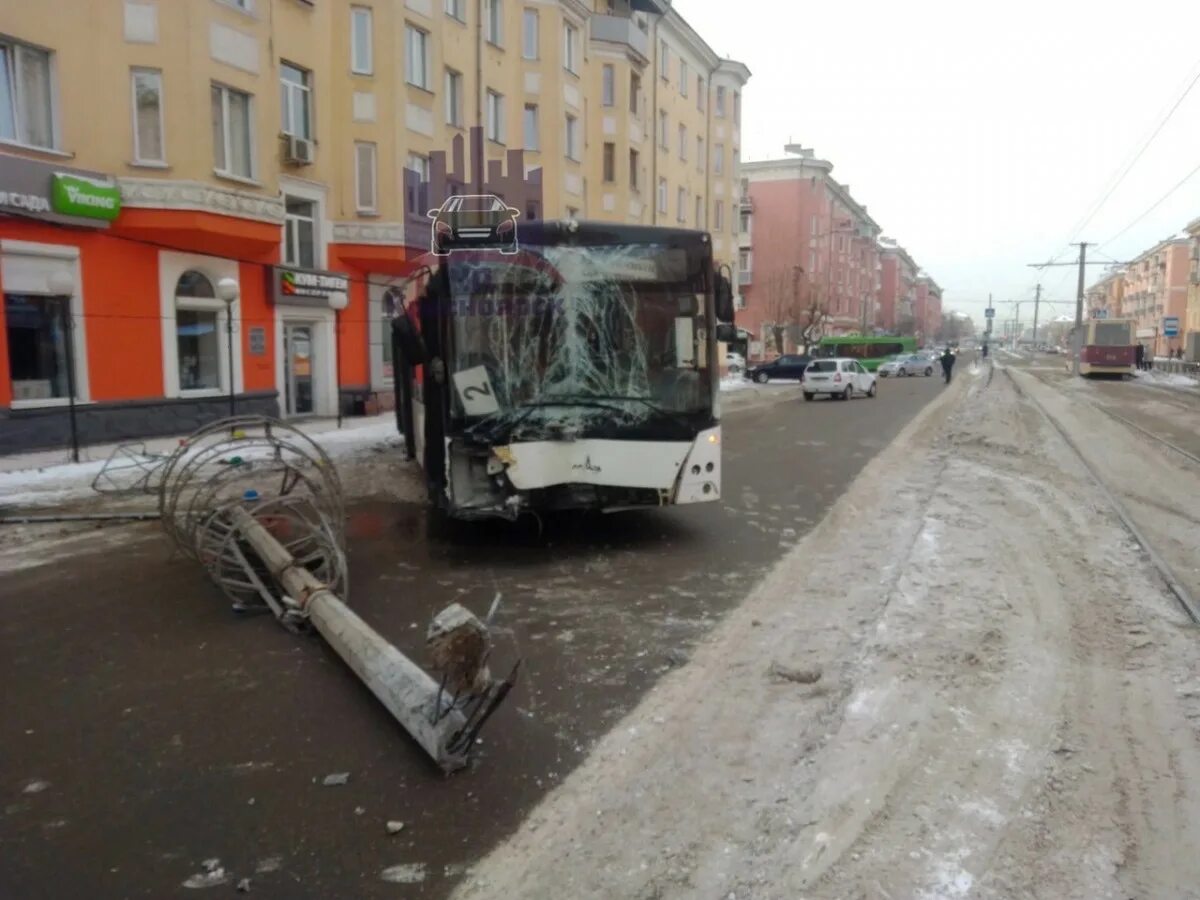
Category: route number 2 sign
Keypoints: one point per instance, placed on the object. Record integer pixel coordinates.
(476, 392)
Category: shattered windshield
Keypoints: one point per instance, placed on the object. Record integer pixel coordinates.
(578, 338)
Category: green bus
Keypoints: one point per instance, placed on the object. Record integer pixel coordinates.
(870, 351)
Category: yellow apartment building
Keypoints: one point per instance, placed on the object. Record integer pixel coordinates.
(205, 199)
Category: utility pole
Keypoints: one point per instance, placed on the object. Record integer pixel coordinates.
(1082, 263)
(1079, 309)
(1037, 299)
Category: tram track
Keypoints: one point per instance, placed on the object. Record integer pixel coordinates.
(1172, 582)
(1129, 423)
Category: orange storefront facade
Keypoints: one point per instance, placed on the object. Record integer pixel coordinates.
(132, 314)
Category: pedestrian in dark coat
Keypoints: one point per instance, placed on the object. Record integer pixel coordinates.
(947, 364)
(1139, 354)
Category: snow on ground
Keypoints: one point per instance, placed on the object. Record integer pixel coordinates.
(44, 478)
(735, 383)
(1005, 705)
(1166, 379)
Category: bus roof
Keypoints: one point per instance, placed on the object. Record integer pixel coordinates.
(865, 339)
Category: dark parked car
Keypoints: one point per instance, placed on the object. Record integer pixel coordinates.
(789, 365)
(474, 220)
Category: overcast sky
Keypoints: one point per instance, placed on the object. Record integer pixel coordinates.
(979, 135)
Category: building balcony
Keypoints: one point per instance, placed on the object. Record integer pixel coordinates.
(745, 277)
(745, 203)
(620, 30)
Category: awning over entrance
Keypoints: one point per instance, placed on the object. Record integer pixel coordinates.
(200, 232)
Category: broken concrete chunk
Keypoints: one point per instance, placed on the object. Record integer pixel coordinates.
(35, 787)
(799, 676)
(214, 874)
(394, 826)
(410, 873)
(335, 779)
(243, 886)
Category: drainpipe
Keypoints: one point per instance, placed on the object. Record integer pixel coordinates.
(708, 149)
(654, 70)
(479, 67)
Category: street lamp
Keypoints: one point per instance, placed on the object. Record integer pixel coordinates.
(337, 302)
(61, 283)
(228, 291)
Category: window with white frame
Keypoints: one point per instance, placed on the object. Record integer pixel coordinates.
(198, 325)
(457, 9)
(26, 95)
(416, 191)
(608, 85)
(493, 21)
(662, 128)
(570, 47)
(416, 42)
(361, 41)
(233, 139)
(681, 204)
(662, 195)
(530, 126)
(699, 211)
(610, 161)
(634, 165)
(296, 100)
(148, 117)
(300, 232)
(454, 98)
(700, 93)
(718, 215)
(720, 110)
(364, 176)
(529, 34)
(683, 77)
(699, 153)
(635, 90)
(495, 116)
(572, 137)
(718, 159)
(664, 60)
(683, 142)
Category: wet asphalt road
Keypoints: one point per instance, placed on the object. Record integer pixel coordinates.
(145, 728)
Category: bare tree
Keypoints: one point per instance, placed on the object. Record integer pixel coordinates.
(780, 304)
(813, 315)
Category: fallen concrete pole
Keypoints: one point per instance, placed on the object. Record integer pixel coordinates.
(408, 692)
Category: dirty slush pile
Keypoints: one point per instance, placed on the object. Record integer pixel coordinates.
(1003, 709)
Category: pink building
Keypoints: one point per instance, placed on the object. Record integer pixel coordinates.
(927, 309)
(1156, 287)
(897, 294)
(809, 262)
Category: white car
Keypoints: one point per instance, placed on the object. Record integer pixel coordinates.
(837, 378)
(906, 364)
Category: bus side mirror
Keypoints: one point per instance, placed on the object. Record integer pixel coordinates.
(406, 339)
(724, 298)
(726, 332)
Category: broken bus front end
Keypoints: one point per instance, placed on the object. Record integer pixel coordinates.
(578, 373)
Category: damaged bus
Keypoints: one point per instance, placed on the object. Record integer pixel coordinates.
(577, 372)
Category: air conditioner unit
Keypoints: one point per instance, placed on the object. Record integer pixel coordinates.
(299, 150)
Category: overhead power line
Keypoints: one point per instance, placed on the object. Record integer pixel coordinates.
(1157, 203)
(1138, 155)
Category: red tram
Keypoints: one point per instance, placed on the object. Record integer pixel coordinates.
(1108, 347)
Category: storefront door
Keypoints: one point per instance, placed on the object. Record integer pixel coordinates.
(298, 352)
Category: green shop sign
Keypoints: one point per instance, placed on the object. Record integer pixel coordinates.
(72, 195)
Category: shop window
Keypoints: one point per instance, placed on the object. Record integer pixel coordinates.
(300, 232)
(26, 95)
(37, 345)
(198, 323)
